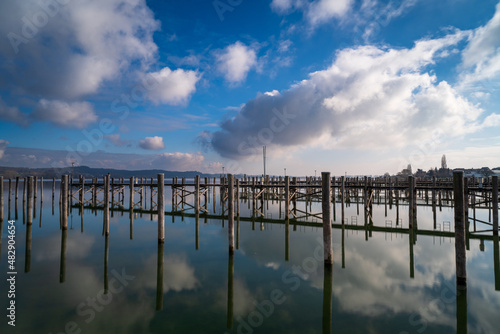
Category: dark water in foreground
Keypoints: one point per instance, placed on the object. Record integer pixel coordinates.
(60, 282)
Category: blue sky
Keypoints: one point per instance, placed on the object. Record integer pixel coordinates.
(346, 86)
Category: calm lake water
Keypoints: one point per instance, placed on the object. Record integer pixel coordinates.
(193, 285)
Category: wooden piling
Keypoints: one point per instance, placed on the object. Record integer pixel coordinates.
(197, 194)
(494, 185)
(35, 182)
(82, 189)
(342, 180)
(17, 187)
(10, 191)
(161, 207)
(41, 190)
(30, 201)
(411, 199)
(460, 254)
(131, 194)
(237, 197)
(287, 197)
(64, 202)
(25, 184)
(106, 204)
(327, 227)
(230, 213)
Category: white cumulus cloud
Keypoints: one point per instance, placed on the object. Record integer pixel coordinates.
(369, 97)
(71, 115)
(77, 48)
(152, 143)
(324, 10)
(171, 87)
(12, 114)
(235, 61)
(481, 57)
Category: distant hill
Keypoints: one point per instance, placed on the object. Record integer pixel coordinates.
(49, 173)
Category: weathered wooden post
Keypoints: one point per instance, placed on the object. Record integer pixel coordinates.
(460, 255)
(17, 188)
(142, 192)
(25, 185)
(10, 191)
(237, 197)
(70, 191)
(53, 188)
(30, 201)
(365, 193)
(183, 194)
(41, 190)
(161, 207)
(131, 194)
(64, 201)
(197, 194)
(82, 189)
(494, 185)
(327, 227)
(174, 196)
(342, 180)
(106, 204)
(230, 213)
(287, 197)
(34, 187)
(334, 199)
(411, 194)
(151, 197)
(35, 181)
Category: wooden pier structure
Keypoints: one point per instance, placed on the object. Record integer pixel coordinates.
(294, 197)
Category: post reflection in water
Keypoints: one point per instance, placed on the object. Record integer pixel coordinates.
(62, 267)
(496, 259)
(287, 240)
(238, 232)
(412, 260)
(462, 310)
(106, 256)
(230, 290)
(343, 246)
(131, 224)
(327, 298)
(159, 277)
(197, 232)
(41, 212)
(27, 257)
(16, 217)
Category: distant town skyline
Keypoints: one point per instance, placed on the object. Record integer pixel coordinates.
(352, 87)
